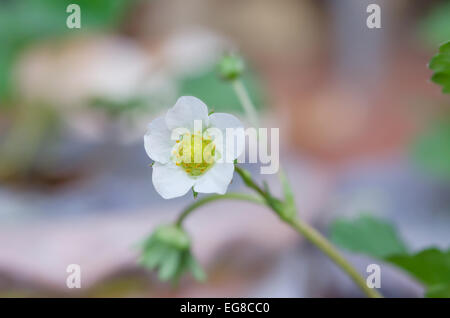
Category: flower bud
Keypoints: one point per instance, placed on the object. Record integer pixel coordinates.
(231, 67)
(173, 236)
(167, 250)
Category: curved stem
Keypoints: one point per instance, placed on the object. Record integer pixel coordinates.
(316, 238)
(306, 230)
(216, 197)
(326, 247)
(302, 228)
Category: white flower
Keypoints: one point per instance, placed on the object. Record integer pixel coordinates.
(171, 139)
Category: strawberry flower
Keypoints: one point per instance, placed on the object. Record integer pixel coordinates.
(189, 149)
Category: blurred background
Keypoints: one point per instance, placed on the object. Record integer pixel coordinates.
(362, 130)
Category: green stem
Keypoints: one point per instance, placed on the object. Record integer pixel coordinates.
(246, 102)
(326, 247)
(249, 181)
(302, 228)
(314, 237)
(215, 197)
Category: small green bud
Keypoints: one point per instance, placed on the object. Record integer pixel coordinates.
(231, 67)
(167, 250)
(173, 236)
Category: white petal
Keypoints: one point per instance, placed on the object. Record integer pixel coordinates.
(223, 121)
(216, 179)
(171, 181)
(186, 110)
(157, 141)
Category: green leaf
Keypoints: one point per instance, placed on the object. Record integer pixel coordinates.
(440, 64)
(367, 235)
(430, 266)
(377, 238)
(439, 291)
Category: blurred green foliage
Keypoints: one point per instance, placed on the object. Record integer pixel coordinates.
(25, 21)
(440, 64)
(115, 108)
(30, 126)
(219, 95)
(439, 291)
(432, 149)
(377, 238)
(435, 28)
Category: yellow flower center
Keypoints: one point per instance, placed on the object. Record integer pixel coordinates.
(195, 154)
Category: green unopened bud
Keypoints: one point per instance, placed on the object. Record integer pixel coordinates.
(167, 250)
(172, 236)
(231, 67)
